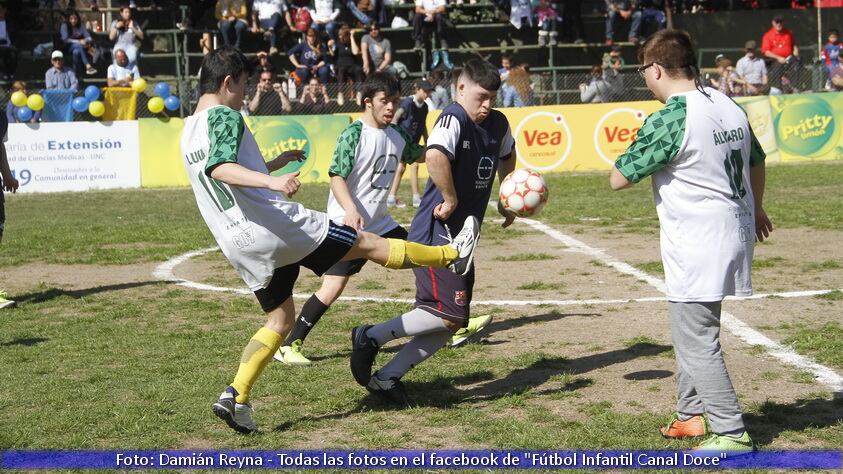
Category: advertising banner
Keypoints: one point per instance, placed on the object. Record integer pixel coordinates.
(161, 160)
(78, 156)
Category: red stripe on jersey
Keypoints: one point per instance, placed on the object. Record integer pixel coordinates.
(435, 289)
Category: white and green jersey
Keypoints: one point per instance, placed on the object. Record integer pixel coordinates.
(699, 151)
(257, 229)
(366, 158)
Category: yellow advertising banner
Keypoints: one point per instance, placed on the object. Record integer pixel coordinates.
(161, 163)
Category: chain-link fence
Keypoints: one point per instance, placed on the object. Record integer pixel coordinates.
(549, 87)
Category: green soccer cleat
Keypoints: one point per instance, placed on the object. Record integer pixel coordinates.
(291, 355)
(475, 325)
(727, 444)
(4, 302)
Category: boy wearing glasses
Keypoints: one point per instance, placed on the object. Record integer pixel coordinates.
(707, 172)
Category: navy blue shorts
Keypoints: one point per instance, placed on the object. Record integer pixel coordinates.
(444, 294)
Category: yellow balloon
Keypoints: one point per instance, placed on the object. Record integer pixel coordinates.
(139, 84)
(155, 105)
(96, 108)
(35, 102)
(19, 99)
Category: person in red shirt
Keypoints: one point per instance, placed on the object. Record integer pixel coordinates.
(783, 56)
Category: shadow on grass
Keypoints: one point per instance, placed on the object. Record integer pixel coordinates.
(443, 392)
(769, 420)
(53, 293)
(24, 341)
(496, 325)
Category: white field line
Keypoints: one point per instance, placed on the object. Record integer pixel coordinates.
(164, 272)
(732, 324)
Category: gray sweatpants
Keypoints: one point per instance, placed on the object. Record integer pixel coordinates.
(703, 384)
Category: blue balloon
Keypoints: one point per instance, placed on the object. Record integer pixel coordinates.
(162, 90)
(92, 93)
(172, 103)
(24, 114)
(80, 104)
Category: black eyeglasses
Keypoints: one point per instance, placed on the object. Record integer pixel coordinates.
(642, 69)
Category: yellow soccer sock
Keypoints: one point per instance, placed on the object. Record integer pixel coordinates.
(429, 256)
(256, 356)
(397, 254)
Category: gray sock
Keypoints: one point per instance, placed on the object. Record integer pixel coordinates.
(412, 323)
(415, 352)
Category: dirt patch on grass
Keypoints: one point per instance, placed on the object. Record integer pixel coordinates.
(76, 277)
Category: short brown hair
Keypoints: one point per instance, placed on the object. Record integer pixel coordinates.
(672, 50)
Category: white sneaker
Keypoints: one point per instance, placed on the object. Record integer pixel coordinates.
(416, 200)
(238, 416)
(465, 243)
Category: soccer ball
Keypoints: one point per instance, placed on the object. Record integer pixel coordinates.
(523, 192)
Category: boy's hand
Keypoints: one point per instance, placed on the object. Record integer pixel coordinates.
(508, 216)
(284, 159)
(353, 219)
(288, 183)
(444, 210)
(10, 184)
(763, 226)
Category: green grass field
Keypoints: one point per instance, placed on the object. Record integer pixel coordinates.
(99, 365)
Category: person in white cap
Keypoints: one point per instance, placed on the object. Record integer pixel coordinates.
(60, 77)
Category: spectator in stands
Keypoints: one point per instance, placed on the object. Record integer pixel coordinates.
(506, 65)
(272, 16)
(597, 90)
(521, 13)
(270, 97)
(348, 62)
(547, 18)
(430, 16)
(125, 32)
(518, 92)
(439, 97)
(778, 46)
(12, 111)
(200, 15)
(78, 41)
(836, 79)
(831, 54)
(315, 98)
(59, 76)
(652, 11)
(261, 63)
(232, 20)
(612, 73)
(122, 72)
(325, 18)
(8, 51)
(625, 10)
(367, 12)
(377, 52)
(752, 70)
(309, 59)
(572, 27)
(728, 83)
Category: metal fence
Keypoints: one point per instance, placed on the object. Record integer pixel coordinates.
(547, 87)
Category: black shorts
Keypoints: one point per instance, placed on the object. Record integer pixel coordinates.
(337, 243)
(352, 267)
(444, 294)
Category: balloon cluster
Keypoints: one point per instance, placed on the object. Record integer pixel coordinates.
(89, 101)
(27, 106)
(163, 99)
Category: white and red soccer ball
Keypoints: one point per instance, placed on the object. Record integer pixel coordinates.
(523, 192)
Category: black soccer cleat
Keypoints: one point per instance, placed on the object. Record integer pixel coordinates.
(363, 353)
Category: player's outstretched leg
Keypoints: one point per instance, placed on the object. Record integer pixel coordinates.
(290, 352)
(233, 405)
(458, 256)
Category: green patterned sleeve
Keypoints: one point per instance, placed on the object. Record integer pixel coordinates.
(412, 150)
(657, 142)
(756, 152)
(225, 127)
(344, 154)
